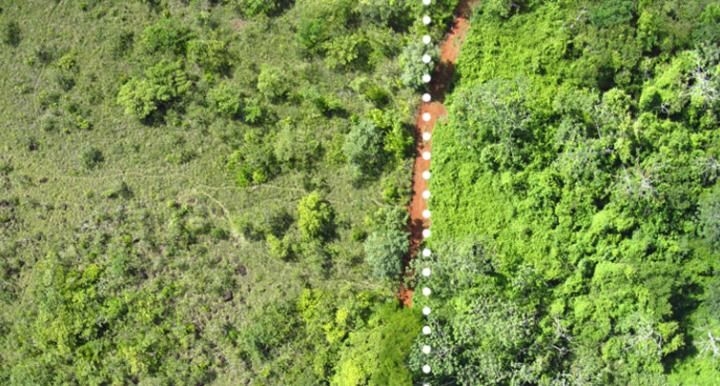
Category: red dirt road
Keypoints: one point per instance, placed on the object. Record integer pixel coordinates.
(449, 50)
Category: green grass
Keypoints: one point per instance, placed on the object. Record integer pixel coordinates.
(130, 251)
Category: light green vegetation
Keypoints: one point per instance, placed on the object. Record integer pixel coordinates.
(186, 187)
(575, 197)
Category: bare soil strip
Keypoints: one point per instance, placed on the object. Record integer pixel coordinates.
(441, 79)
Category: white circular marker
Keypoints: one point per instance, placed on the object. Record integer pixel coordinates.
(426, 291)
(426, 98)
(426, 369)
(426, 2)
(426, 117)
(426, 78)
(426, 136)
(426, 213)
(426, 311)
(426, 233)
(426, 330)
(426, 253)
(426, 349)
(426, 384)
(426, 155)
(426, 194)
(426, 20)
(427, 39)
(426, 175)
(426, 58)
(426, 272)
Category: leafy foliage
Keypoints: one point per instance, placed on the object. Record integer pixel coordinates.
(163, 84)
(167, 35)
(386, 246)
(574, 194)
(364, 147)
(315, 217)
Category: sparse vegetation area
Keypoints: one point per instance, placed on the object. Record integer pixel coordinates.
(188, 187)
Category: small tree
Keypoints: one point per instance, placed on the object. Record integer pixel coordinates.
(163, 83)
(225, 100)
(258, 7)
(388, 243)
(320, 21)
(413, 67)
(384, 250)
(710, 216)
(11, 33)
(211, 55)
(166, 35)
(272, 82)
(316, 217)
(364, 148)
(91, 158)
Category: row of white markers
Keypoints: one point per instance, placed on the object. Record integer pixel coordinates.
(426, 117)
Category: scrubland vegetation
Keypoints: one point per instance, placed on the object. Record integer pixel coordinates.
(189, 189)
(575, 197)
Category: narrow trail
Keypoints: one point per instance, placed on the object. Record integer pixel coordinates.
(441, 79)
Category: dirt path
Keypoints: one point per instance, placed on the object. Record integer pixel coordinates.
(449, 50)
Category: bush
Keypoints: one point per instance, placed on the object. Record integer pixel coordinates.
(260, 7)
(364, 148)
(165, 36)
(388, 243)
(384, 251)
(412, 65)
(395, 14)
(320, 21)
(211, 55)
(163, 84)
(224, 99)
(272, 82)
(710, 216)
(347, 51)
(254, 162)
(91, 158)
(316, 218)
(11, 33)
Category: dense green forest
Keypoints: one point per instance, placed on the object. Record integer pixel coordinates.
(207, 191)
(576, 203)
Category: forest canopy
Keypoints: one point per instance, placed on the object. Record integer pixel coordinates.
(574, 197)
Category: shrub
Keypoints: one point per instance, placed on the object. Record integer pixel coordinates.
(412, 65)
(224, 99)
(710, 216)
(91, 158)
(165, 36)
(347, 51)
(395, 14)
(316, 218)
(278, 248)
(163, 83)
(272, 83)
(254, 162)
(260, 7)
(11, 33)
(384, 250)
(211, 55)
(320, 21)
(364, 148)
(388, 243)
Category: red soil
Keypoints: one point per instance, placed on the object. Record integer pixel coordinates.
(441, 79)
